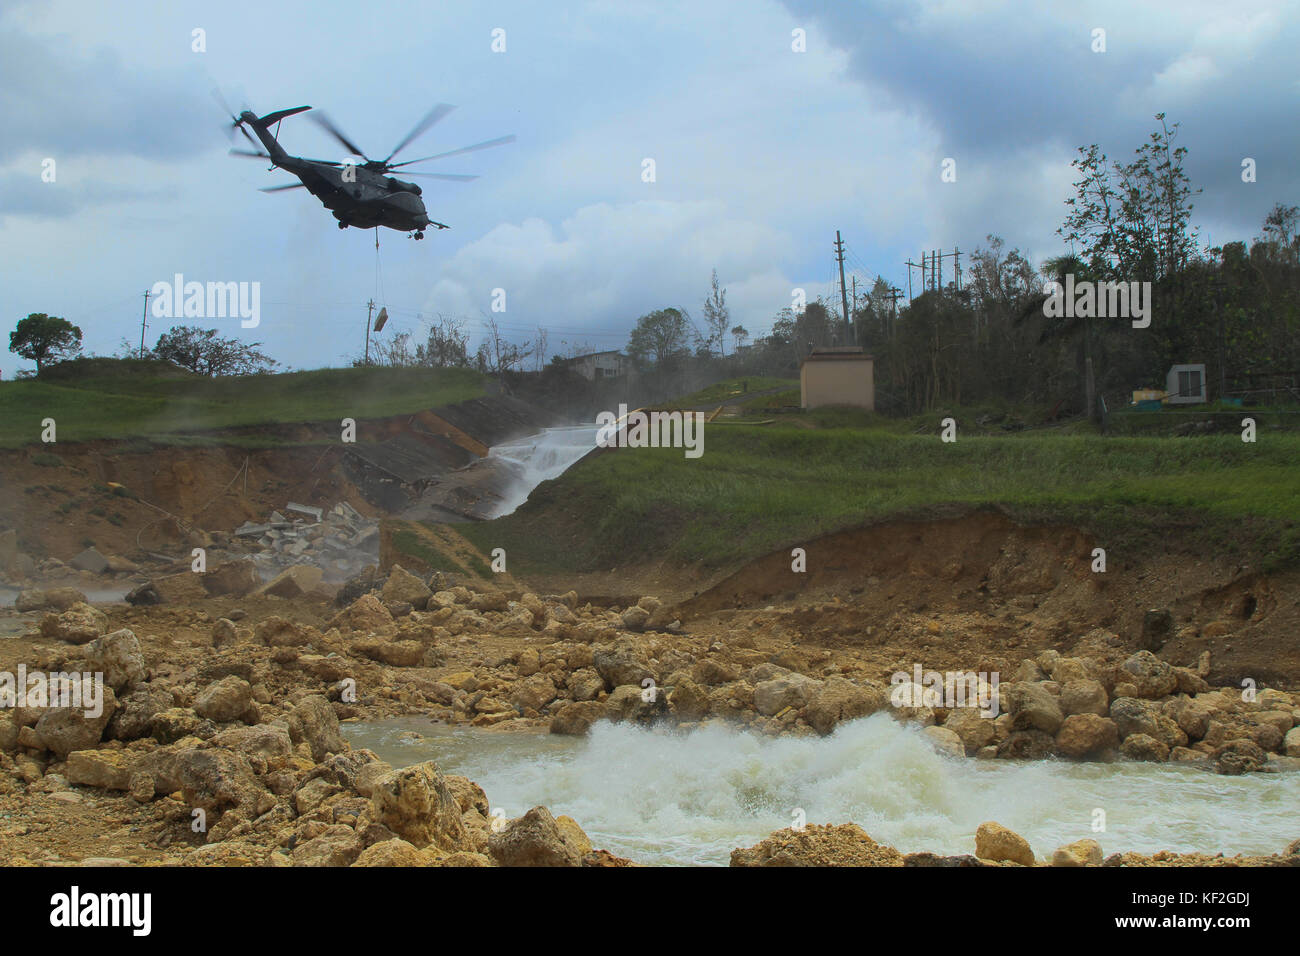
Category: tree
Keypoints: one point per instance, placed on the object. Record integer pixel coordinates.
(497, 356)
(204, 352)
(660, 337)
(45, 338)
(447, 345)
(739, 333)
(716, 316)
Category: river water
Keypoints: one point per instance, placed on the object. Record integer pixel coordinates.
(667, 797)
(537, 458)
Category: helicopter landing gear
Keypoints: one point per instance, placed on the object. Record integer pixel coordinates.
(342, 224)
(418, 235)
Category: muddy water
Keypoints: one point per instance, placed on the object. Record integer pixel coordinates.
(664, 797)
(537, 458)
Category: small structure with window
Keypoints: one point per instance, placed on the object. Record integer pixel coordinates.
(837, 376)
(599, 365)
(1185, 385)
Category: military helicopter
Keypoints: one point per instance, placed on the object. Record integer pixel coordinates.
(358, 194)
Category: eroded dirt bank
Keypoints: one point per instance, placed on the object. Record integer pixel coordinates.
(228, 702)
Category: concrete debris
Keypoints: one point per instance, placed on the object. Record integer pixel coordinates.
(340, 541)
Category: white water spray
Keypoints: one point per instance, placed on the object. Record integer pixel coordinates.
(537, 458)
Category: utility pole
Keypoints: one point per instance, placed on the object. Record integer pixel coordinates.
(844, 292)
(894, 293)
(910, 266)
(370, 310)
(144, 321)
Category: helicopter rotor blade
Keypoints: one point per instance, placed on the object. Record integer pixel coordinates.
(326, 124)
(255, 154)
(487, 144)
(453, 177)
(435, 115)
(280, 189)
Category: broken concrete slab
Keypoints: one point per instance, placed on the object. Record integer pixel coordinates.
(316, 513)
(90, 560)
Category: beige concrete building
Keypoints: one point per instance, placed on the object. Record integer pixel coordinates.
(837, 376)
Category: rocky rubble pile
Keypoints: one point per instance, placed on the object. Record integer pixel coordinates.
(340, 541)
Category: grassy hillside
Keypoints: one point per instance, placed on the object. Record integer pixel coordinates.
(108, 398)
(759, 488)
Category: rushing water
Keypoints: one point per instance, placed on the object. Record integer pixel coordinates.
(690, 798)
(538, 458)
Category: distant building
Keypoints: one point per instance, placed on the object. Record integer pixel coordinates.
(599, 365)
(843, 375)
(1185, 385)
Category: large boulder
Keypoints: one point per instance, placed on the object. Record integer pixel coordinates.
(404, 587)
(1144, 747)
(1238, 757)
(79, 624)
(80, 727)
(1083, 735)
(1078, 853)
(416, 804)
(974, 730)
(232, 579)
(1033, 707)
(536, 839)
(1085, 697)
(105, 769)
(118, 657)
(313, 720)
(576, 718)
(136, 711)
(1150, 677)
(366, 613)
(58, 599)
(838, 700)
(619, 665)
(336, 845)
(224, 700)
(1133, 716)
(293, 582)
(688, 701)
(636, 704)
(785, 690)
(846, 844)
(995, 842)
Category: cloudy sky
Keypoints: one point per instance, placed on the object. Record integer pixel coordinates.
(761, 152)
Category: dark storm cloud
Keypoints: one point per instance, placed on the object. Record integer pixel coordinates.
(25, 194)
(1020, 78)
(58, 102)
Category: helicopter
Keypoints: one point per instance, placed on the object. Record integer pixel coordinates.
(357, 194)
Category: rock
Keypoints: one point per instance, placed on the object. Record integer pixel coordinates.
(276, 631)
(838, 700)
(1152, 677)
(1133, 716)
(118, 657)
(945, 740)
(106, 769)
(846, 844)
(635, 618)
(393, 653)
(995, 842)
(404, 586)
(79, 624)
(144, 595)
(688, 701)
(618, 666)
(224, 700)
(417, 805)
(1144, 747)
(1291, 743)
(366, 613)
(90, 560)
(366, 581)
(210, 778)
(173, 724)
(271, 742)
(1078, 853)
(787, 690)
(293, 582)
(973, 730)
(313, 720)
(533, 693)
(337, 845)
(65, 729)
(576, 718)
(1238, 757)
(141, 787)
(312, 794)
(1085, 697)
(1189, 682)
(1193, 718)
(1083, 735)
(1032, 707)
(535, 839)
(468, 794)
(636, 704)
(59, 599)
(224, 633)
(233, 579)
(1157, 628)
(1026, 745)
(395, 852)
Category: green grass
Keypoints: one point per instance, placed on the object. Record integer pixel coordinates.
(103, 398)
(760, 488)
(719, 392)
